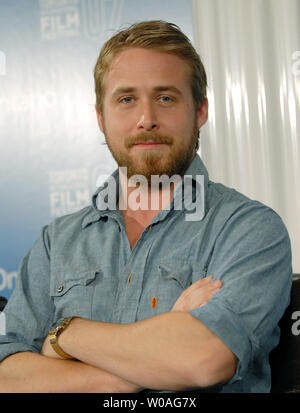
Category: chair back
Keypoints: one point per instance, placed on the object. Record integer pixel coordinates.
(285, 358)
(3, 302)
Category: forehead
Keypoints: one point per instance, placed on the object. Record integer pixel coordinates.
(138, 67)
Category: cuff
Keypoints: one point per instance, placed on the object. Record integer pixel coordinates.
(8, 349)
(227, 325)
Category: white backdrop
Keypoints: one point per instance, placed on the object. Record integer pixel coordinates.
(251, 51)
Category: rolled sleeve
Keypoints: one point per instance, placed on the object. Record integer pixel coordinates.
(227, 325)
(29, 311)
(8, 348)
(252, 258)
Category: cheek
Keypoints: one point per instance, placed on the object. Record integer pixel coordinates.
(182, 124)
(119, 124)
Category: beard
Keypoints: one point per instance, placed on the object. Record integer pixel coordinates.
(153, 162)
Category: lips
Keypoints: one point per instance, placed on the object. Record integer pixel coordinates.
(153, 141)
(149, 143)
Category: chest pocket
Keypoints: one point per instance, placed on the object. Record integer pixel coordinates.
(72, 294)
(174, 278)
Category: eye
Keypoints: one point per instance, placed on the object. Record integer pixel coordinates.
(166, 99)
(126, 99)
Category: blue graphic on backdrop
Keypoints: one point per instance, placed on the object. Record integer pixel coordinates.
(52, 151)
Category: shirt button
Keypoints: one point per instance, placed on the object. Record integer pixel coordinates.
(129, 278)
(60, 288)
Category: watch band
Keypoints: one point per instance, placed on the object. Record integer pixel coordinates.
(54, 334)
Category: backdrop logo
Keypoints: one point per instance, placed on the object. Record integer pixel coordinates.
(98, 16)
(70, 18)
(69, 191)
(28, 102)
(59, 19)
(2, 63)
(296, 64)
(7, 280)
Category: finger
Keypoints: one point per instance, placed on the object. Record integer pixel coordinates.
(217, 283)
(201, 282)
(205, 283)
(199, 297)
(199, 291)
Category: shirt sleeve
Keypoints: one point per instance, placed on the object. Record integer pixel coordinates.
(252, 257)
(29, 311)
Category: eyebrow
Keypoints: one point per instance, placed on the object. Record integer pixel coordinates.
(121, 90)
(167, 88)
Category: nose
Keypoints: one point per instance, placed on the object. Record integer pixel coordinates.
(147, 120)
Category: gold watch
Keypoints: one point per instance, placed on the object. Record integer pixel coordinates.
(53, 336)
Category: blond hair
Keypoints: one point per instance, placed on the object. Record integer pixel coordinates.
(156, 35)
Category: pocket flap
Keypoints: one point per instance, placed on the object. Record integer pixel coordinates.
(176, 270)
(63, 282)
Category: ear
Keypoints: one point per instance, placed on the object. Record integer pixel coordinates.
(202, 113)
(99, 118)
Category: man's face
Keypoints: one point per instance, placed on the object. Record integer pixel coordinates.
(149, 118)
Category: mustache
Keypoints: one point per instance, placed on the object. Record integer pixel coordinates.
(147, 137)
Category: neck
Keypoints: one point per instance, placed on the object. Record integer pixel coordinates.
(142, 200)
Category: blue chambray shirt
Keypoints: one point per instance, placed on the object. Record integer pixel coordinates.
(83, 265)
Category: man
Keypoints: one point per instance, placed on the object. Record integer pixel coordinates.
(122, 299)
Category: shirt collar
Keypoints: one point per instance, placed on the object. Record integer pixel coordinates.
(195, 169)
(99, 210)
(191, 193)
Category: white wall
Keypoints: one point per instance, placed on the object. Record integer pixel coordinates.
(251, 51)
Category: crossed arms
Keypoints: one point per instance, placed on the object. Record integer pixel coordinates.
(171, 351)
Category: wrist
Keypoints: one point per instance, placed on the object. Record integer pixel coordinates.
(67, 337)
(55, 335)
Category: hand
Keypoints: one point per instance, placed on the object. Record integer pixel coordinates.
(197, 295)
